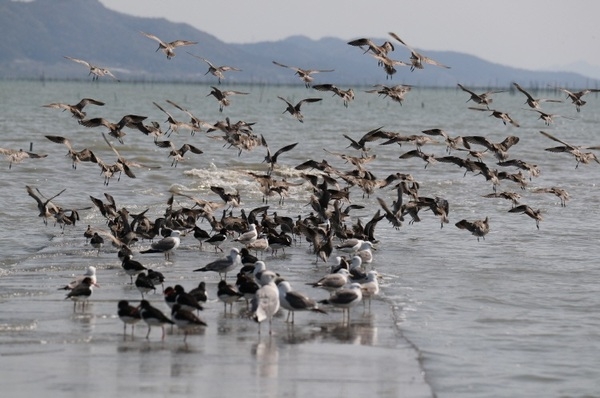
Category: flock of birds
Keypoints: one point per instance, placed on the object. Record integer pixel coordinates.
(327, 228)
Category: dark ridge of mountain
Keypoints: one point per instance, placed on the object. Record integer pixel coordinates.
(40, 33)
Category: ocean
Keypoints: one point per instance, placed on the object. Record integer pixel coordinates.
(511, 314)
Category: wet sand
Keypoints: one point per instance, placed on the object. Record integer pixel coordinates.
(47, 348)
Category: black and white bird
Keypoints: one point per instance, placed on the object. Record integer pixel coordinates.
(293, 301)
(129, 315)
(153, 317)
(223, 265)
(185, 319)
(166, 245)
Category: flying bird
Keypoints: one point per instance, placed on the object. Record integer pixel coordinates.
(294, 110)
(96, 71)
(576, 97)
(417, 60)
(216, 70)
(221, 96)
(533, 102)
(481, 99)
(271, 159)
(345, 95)
(304, 74)
(76, 109)
(169, 48)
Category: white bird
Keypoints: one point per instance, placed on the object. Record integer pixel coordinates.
(370, 288)
(266, 301)
(350, 245)
(90, 272)
(249, 236)
(169, 48)
(345, 299)
(166, 245)
(294, 301)
(333, 282)
(223, 265)
(81, 293)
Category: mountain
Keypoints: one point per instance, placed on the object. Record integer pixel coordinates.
(40, 33)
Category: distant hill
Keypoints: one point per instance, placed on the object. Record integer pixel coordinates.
(38, 34)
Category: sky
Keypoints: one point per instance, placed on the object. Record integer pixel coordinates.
(529, 34)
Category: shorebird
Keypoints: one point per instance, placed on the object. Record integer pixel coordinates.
(562, 194)
(221, 96)
(129, 315)
(293, 301)
(216, 71)
(345, 299)
(132, 267)
(17, 156)
(124, 162)
(166, 245)
(576, 97)
(152, 316)
(45, 206)
(451, 142)
(224, 265)
(370, 136)
(505, 117)
(169, 48)
(532, 169)
(199, 292)
(548, 118)
(195, 123)
(304, 74)
(533, 102)
(85, 155)
(95, 70)
(480, 99)
(271, 159)
(265, 303)
(512, 196)
(479, 228)
(178, 154)
(499, 149)
(228, 295)
(396, 93)
(143, 284)
(157, 278)
(185, 320)
(576, 151)
(81, 293)
(345, 95)
(90, 272)
(417, 153)
(186, 300)
(114, 129)
(231, 199)
(217, 239)
(77, 109)
(174, 124)
(417, 60)
(294, 110)
(535, 214)
(382, 50)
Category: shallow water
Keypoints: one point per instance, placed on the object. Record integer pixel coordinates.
(511, 315)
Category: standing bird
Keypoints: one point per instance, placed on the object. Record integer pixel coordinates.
(97, 242)
(272, 159)
(129, 315)
(479, 228)
(294, 301)
(304, 74)
(185, 319)
(153, 317)
(169, 48)
(224, 265)
(131, 266)
(217, 239)
(294, 110)
(370, 288)
(228, 295)
(266, 301)
(345, 299)
(144, 284)
(157, 278)
(81, 293)
(216, 70)
(166, 245)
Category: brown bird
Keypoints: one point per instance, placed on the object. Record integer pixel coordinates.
(96, 71)
(562, 194)
(169, 48)
(395, 93)
(480, 99)
(479, 228)
(85, 155)
(548, 118)
(304, 74)
(216, 70)
(114, 129)
(177, 154)
(576, 151)
(499, 149)
(535, 214)
(417, 60)
(18, 155)
(221, 96)
(576, 97)
(294, 110)
(345, 95)
(505, 117)
(533, 102)
(77, 109)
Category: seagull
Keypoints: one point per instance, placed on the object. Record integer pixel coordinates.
(166, 245)
(417, 60)
(185, 319)
(266, 301)
(129, 315)
(216, 70)
(345, 299)
(533, 102)
(224, 265)
(479, 228)
(304, 74)
(95, 70)
(169, 48)
(480, 99)
(17, 156)
(249, 236)
(77, 109)
(293, 301)
(90, 272)
(370, 287)
(294, 110)
(345, 95)
(153, 317)
(333, 282)
(221, 96)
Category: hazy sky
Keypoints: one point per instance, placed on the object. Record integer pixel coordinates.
(532, 34)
